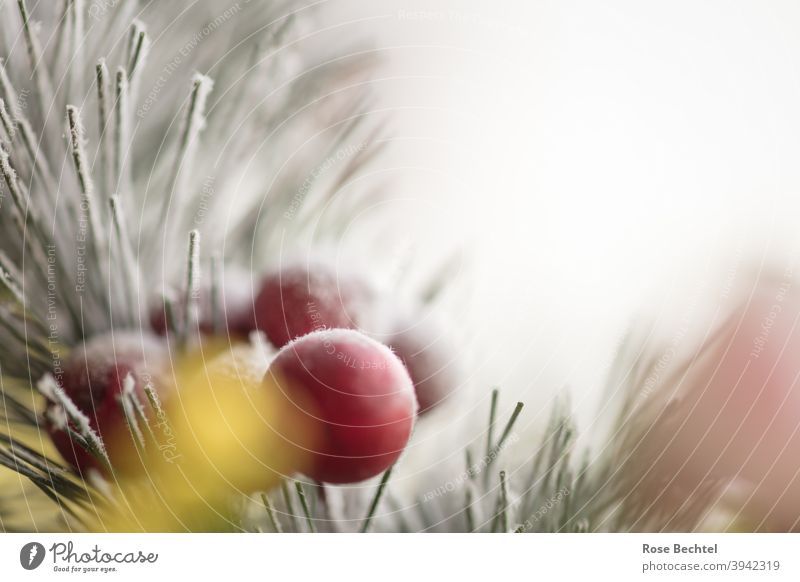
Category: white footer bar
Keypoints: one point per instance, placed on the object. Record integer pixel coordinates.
(410, 558)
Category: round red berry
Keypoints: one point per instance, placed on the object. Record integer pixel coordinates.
(358, 395)
(297, 300)
(93, 377)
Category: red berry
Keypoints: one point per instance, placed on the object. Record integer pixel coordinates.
(234, 309)
(358, 395)
(430, 360)
(93, 378)
(297, 300)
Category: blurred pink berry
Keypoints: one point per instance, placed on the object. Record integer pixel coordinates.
(429, 358)
(234, 310)
(738, 416)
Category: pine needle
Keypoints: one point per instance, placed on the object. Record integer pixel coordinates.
(304, 505)
(373, 506)
(287, 500)
(271, 513)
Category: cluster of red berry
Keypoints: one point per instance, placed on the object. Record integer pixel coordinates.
(362, 395)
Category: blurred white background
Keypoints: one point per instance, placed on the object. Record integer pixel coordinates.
(602, 163)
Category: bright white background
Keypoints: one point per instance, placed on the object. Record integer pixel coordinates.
(603, 163)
